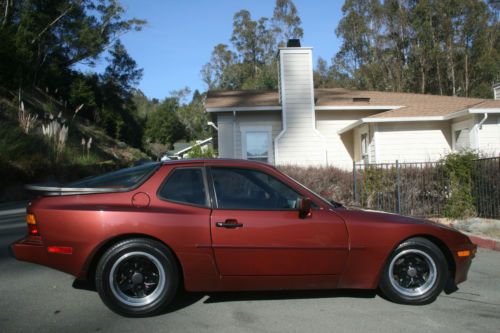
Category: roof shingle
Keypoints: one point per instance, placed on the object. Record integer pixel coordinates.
(410, 105)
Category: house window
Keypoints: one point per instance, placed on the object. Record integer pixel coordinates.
(256, 144)
(364, 147)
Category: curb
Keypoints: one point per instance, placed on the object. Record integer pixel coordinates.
(484, 242)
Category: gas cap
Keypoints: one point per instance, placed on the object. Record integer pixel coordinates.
(140, 200)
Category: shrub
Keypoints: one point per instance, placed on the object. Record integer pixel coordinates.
(330, 182)
(459, 168)
(202, 152)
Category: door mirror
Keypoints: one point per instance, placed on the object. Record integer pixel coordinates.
(303, 205)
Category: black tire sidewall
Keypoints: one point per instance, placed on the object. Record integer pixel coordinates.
(436, 254)
(160, 252)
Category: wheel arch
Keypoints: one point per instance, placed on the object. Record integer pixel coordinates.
(91, 263)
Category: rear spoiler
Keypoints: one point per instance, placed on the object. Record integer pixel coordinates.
(45, 190)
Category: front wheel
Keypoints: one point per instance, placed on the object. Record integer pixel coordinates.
(415, 273)
(137, 277)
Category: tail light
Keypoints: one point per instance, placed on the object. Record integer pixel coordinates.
(32, 227)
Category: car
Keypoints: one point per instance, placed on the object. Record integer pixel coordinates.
(141, 233)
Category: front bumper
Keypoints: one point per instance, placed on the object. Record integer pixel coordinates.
(463, 263)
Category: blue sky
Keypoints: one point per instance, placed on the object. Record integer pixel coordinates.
(180, 35)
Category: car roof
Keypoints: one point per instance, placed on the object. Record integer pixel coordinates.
(218, 161)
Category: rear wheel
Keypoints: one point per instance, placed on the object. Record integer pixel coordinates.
(415, 273)
(137, 277)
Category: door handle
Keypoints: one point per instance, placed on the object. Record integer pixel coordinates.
(229, 224)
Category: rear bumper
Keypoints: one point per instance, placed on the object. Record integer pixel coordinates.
(30, 249)
(463, 263)
(33, 249)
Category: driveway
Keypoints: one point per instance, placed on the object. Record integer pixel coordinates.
(38, 299)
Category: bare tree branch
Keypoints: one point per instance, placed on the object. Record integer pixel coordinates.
(6, 13)
(64, 13)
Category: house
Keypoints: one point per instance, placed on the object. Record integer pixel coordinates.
(182, 149)
(301, 125)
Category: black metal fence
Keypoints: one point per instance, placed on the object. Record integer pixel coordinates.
(486, 187)
(423, 189)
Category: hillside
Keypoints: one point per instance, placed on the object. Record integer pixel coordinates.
(37, 157)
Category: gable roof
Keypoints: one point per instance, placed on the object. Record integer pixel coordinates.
(241, 98)
(396, 105)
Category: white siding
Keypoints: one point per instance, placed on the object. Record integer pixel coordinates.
(225, 135)
(300, 143)
(340, 148)
(489, 135)
(413, 141)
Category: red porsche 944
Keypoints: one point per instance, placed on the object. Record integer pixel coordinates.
(226, 225)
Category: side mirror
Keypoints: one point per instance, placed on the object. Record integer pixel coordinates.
(304, 207)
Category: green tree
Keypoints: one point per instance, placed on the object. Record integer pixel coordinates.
(164, 126)
(122, 71)
(245, 39)
(429, 46)
(215, 72)
(45, 38)
(118, 109)
(286, 21)
(323, 77)
(81, 92)
(251, 62)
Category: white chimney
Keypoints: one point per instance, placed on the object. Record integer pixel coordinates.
(299, 142)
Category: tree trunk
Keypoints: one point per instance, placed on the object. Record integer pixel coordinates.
(466, 71)
(451, 66)
(6, 13)
(422, 75)
(438, 69)
(438, 66)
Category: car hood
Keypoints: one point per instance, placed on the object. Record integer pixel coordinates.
(366, 215)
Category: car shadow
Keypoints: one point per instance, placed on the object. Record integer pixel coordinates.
(184, 298)
(219, 297)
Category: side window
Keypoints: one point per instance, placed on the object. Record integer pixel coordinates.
(251, 189)
(185, 185)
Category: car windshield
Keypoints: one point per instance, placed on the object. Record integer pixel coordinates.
(123, 178)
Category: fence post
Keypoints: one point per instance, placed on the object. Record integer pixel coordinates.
(354, 187)
(398, 189)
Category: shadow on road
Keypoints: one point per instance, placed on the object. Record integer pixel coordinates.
(184, 299)
(284, 295)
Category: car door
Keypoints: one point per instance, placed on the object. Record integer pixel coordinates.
(256, 229)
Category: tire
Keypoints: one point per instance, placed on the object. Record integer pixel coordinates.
(137, 277)
(415, 273)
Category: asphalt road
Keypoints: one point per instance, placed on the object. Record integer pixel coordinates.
(38, 299)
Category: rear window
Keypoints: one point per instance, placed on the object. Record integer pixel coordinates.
(121, 179)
